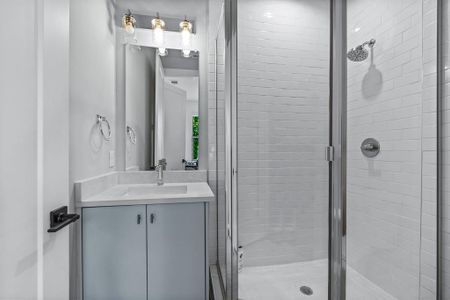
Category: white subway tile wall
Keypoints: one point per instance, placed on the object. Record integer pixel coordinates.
(216, 133)
(428, 248)
(283, 123)
(446, 157)
(392, 97)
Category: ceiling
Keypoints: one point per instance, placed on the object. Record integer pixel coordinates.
(193, 9)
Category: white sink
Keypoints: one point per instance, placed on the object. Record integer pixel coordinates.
(158, 190)
(137, 194)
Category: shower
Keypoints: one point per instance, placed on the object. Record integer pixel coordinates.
(360, 53)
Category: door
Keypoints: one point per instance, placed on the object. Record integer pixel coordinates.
(176, 252)
(114, 253)
(34, 154)
(175, 125)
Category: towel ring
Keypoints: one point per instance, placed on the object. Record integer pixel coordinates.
(131, 134)
(106, 132)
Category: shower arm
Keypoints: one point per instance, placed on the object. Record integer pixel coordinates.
(370, 43)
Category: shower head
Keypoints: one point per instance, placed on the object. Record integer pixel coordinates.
(360, 53)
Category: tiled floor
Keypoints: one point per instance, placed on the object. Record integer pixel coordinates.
(283, 282)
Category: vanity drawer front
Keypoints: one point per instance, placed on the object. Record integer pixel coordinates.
(176, 251)
(114, 253)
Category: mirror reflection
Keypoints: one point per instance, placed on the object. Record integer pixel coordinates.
(162, 106)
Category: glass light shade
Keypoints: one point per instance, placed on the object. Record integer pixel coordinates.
(186, 53)
(129, 23)
(186, 31)
(162, 51)
(158, 27)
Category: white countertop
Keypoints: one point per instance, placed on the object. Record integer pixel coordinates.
(138, 194)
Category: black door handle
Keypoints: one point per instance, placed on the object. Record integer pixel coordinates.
(59, 218)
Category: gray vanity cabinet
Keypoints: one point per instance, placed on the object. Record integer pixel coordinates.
(114, 253)
(140, 252)
(176, 252)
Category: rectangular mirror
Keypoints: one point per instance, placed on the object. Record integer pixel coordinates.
(162, 107)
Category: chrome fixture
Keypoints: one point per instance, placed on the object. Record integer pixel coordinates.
(129, 22)
(370, 147)
(360, 53)
(104, 127)
(131, 133)
(160, 167)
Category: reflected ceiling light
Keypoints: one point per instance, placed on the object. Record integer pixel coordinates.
(186, 53)
(158, 27)
(162, 51)
(128, 22)
(186, 35)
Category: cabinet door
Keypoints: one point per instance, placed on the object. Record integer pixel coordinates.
(114, 253)
(176, 252)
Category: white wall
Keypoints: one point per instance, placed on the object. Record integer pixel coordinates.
(140, 97)
(174, 126)
(391, 97)
(92, 91)
(92, 85)
(283, 119)
(160, 110)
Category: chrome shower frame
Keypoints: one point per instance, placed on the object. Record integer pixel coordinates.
(337, 140)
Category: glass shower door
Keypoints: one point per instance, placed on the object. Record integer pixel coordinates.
(220, 146)
(283, 120)
(391, 149)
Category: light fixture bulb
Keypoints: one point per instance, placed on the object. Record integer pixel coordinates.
(186, 53)
(128, 22)
(162, 51)
(158, 27)
(186, 31)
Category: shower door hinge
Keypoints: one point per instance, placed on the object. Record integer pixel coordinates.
(329, 154)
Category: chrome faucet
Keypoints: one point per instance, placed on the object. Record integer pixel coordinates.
(160, 167)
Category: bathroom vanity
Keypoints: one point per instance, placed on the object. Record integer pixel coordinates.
(144, 241)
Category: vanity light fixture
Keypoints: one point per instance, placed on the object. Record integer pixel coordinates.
(186, 34)
(158, 26)
(129, 22)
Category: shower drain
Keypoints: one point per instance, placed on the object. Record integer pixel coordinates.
(306, 290)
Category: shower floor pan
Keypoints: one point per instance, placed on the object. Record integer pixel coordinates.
(283, 282)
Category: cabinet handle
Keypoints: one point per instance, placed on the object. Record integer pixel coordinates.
(139, 219)
(152, 218)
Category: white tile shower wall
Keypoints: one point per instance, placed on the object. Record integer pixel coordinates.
(283, 119)
(216, 211)
(220, 123)
(446, 157)
(390, 98)
(429, 141)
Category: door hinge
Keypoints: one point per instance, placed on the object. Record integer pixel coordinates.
(329, 154)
